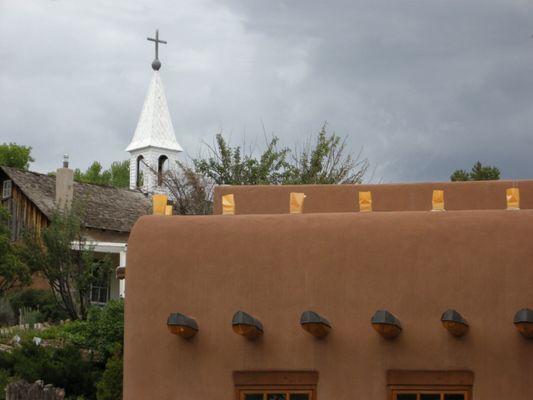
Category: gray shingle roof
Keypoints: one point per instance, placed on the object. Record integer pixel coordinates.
(105, 207)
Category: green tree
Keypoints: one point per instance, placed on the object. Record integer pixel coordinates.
(13, 272)
(326, 161)
(117, 175)
(228, 165)
(64, 257)
(192, 185)
(94, 174)
(14, 155)
(479, 172)
(460, 175)
(120, 173)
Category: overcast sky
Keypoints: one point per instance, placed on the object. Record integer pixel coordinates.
(424, 87)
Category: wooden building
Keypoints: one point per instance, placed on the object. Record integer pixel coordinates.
(109, 213)
(398, 303)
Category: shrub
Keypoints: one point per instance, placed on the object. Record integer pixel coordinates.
(82, 357)
(110, 386)
(4, 381)
(71, 332)
(106, 327)
(62, 367)
(100, 333)
(38, 299)
(30, 316)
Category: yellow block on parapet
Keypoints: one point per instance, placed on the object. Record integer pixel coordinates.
(159, 204)
(297, 203)
(438, 200)
(228, 204)
(168, 210)
(513, 199)
(365, 201)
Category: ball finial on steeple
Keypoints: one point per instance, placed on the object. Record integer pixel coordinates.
(156, 64)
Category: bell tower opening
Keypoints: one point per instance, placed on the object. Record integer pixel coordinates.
(139, 181)
(162, 167)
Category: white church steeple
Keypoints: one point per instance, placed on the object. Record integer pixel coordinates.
(154, 148)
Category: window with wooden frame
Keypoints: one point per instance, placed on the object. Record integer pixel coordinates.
(100, 287)
(276, 395)
(426, 394)
(6, 189)
(99, 293)
(430, 385)
(275, 385)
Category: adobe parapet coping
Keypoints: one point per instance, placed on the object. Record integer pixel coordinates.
(437, 233)
(401, 224)
(274, 199)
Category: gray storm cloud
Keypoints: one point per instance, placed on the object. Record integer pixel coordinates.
(424, 86)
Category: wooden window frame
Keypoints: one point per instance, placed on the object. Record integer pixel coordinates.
(248, 382)
(7, 188)
(274, 390)
(418, 390)
(420, 382)
(101, 286)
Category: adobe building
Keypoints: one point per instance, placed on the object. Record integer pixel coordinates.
(330, 302)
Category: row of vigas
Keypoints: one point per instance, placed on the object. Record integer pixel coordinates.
(297, 200)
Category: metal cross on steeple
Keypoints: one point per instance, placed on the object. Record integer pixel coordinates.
(156, 64)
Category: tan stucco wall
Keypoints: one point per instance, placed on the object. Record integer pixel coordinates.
(486, 195)
(344, 266)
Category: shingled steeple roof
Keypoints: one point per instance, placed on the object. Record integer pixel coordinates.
(154, 128)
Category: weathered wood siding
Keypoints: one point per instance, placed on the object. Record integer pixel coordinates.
(24, 214)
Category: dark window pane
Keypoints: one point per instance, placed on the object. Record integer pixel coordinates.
(428, 396)
(299, 396)
(254, 396)
(406, 396)
(276, 396)
(454, 396)
(103, 295)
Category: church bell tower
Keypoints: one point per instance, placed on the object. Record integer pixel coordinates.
(154, 149)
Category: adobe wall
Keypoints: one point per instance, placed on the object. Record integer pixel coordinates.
(344, 266)
(482, 195)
